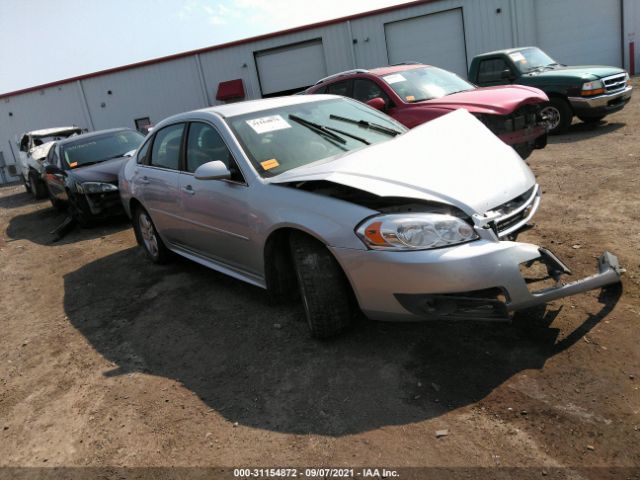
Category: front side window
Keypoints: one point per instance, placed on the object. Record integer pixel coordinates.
(425, 83)
(98, 148)
(204, 144)
(365, 90)
(280, 139)
(491, 70)
(166, 147)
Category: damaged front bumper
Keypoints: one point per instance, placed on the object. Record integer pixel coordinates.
(481, 280)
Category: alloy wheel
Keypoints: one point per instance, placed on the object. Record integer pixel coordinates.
(553, 117)
(148, 233)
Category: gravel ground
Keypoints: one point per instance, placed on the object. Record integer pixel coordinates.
(109, 361)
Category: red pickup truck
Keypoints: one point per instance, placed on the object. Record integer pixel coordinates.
(416, 93)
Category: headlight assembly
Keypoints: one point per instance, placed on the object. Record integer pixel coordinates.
(414, 231)
(592, 88)
(96, 187)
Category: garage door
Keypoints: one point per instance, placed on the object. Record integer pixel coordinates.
(287, 69)
(436, 39)
(580, 32)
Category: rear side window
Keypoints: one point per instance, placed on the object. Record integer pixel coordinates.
(340, 88)
(143, 153)
(166, 147)
(365, 90)
(491, 70)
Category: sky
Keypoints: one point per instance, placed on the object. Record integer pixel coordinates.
(43, 41)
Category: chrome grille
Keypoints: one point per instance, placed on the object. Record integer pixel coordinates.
(615, 83)
(514, 214)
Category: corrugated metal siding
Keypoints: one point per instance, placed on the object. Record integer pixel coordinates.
(154, 91)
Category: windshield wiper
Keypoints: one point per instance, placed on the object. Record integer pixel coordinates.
(328, 131)
(372, 126)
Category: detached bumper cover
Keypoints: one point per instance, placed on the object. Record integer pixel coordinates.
(452, 282)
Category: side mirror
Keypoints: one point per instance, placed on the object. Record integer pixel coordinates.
(377, 103)
(215, 170)
(52, 169)
(507, 75)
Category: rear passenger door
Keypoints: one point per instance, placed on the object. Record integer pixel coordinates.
(215, 213)
(156, 177)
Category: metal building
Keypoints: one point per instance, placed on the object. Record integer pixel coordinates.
(446, 33)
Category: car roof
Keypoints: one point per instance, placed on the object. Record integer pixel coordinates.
(250, 106)
(89, 135)
(47, 132)
(506, 50)
(381, 71)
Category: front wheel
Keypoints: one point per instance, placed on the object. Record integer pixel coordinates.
(558, 114)
(147, 236)
(36, 186)
(323, 287)
(591, 120)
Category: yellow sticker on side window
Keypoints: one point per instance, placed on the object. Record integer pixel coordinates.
(269, 164)
(410, 98)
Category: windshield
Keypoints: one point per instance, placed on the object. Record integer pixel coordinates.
(284, 138)
(426, 83)
(100, 148)
(530, 59)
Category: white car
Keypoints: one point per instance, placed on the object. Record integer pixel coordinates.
(33, 148)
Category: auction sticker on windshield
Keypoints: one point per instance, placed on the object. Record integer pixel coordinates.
(394, 78)
(268, 124)
(517, 57)
(269, 164)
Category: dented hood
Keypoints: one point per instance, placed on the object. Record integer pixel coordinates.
(454, 159)
(501, 100)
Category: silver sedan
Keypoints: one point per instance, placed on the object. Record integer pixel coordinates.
(326, 197)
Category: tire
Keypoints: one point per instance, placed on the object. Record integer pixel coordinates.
(147, 237)
(55, 203)
(323, 286)
(591, 120)
(559, 115)
(524, 151)
(36, 186)
(27, 185)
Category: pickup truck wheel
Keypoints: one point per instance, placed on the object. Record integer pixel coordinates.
(559, 115)
(591, 120)
(36, 186)
(147, 236)
(323, 287)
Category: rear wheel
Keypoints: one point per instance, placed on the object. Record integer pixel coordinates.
(558, 114)
(592, 119)
(147, 236)
(36, 186)
(323, 287)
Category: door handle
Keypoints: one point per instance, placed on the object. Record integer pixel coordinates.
(144, 180)
(188, 189)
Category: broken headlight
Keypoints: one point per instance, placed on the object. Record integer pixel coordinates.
(414, 231)
(96, 187)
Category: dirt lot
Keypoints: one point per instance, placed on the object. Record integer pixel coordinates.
(108, 360)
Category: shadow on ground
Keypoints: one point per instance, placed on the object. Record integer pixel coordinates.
(36, 226)
(579, 131)
(255, 364)
(19, 199)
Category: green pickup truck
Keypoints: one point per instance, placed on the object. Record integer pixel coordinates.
(589, 92)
